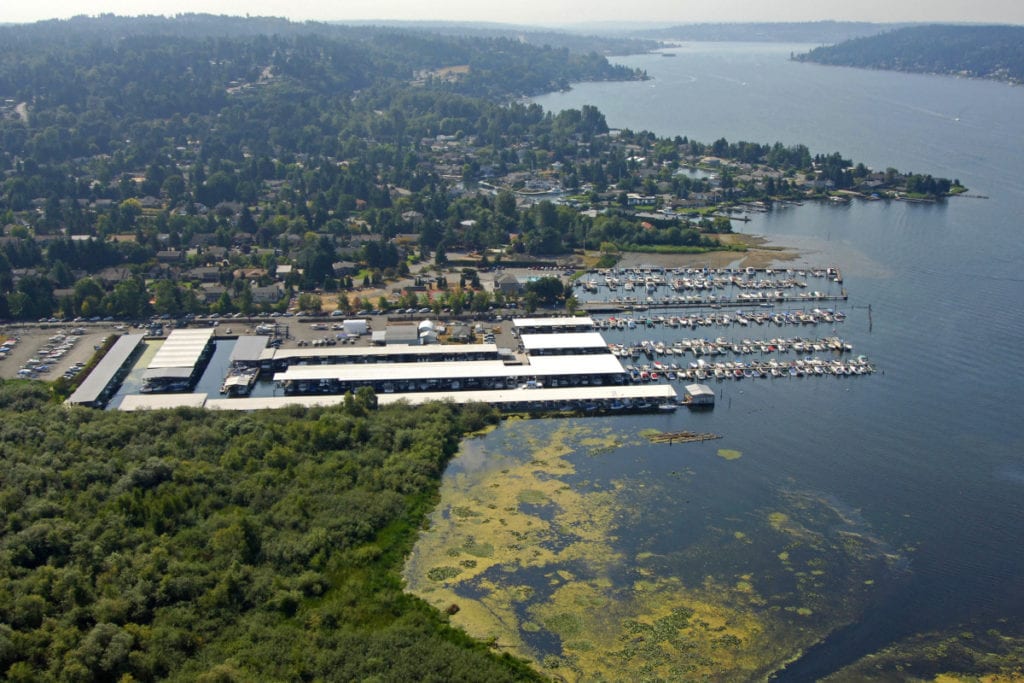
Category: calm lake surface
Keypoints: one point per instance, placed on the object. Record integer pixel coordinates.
(926, 457)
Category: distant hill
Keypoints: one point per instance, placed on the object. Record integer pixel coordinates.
(580, 42)
(826, 32)
(168, 62)
(993, 52)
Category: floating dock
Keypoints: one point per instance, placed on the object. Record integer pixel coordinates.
(682, 437)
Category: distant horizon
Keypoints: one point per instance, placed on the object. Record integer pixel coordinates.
(491, 22)
(602, 25)
(544, 13)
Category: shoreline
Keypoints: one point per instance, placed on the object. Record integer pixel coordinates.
(760, 253)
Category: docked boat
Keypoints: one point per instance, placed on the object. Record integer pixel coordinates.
(240, 381)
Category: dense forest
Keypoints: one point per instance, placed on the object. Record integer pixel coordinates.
(993, 52)
(190, 545)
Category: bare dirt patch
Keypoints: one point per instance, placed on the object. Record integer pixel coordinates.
(758, 254)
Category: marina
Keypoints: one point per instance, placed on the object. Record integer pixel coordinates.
(722, 346)
(586, 364)
(560, 365)
(714, 318)
(616, 290)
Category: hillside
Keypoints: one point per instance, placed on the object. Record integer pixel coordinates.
(992, 52)
(770, 32)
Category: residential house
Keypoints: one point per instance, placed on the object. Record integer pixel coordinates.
(507, 283)
(205, 274)
(210, 293)
(113, 275)
(169, 256)
(344, 268)
(270, 294)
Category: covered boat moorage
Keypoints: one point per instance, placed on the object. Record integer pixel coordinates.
(554, 324)
(542, 371)
(244, 365)
(279, 360)
(108, 374)
(564, 343)
(577, 399)
(179, 361)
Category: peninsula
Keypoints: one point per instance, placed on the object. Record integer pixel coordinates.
(990, 52)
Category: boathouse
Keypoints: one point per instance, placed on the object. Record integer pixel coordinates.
(699, 395)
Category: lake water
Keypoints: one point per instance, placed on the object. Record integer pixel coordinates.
(922, 462)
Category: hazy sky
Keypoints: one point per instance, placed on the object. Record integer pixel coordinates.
(543, 11)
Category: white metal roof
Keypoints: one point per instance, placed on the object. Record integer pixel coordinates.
(564, 321)
(269, 402)
(633, 392)
(93, 385)
(545, 366)
(355, 372)
(182, 348)
(595, 364)
(249, 348)
(133, 402)
(183, 372)
(563, 340)
(380, 351)
(699, 390)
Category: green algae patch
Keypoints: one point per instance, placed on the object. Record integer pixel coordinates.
(503, 536)
(477, 549)
(532, 497)
(600, 579)
(990, 656)
(598, 444)
(729, 454)
(565, 624)
(659, 631)
(778, 520)
(443, 573)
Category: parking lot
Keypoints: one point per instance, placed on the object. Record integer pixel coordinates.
(48, 351)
